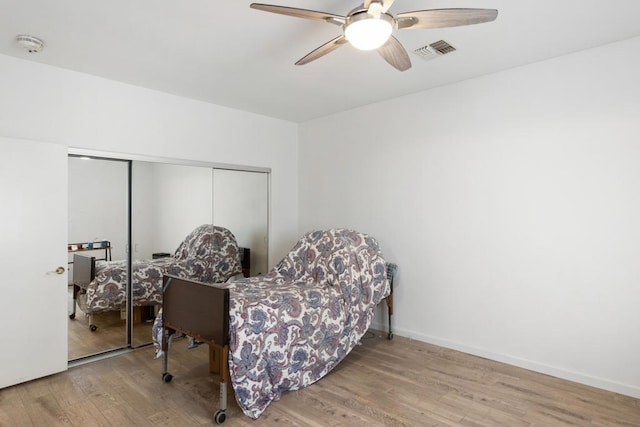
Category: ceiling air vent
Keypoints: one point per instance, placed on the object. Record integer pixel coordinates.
(434, 50)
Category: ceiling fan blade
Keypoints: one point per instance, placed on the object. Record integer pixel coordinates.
(386, 4)
(444, 18)
(300, 13)
(328, 47)
(396, 55)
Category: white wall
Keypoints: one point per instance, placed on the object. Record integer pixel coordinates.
(510, 203)
(44, 103)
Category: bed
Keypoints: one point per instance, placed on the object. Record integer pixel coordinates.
(284, 330)
(208, 254)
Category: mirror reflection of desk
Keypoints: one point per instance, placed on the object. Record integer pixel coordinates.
(103, 245)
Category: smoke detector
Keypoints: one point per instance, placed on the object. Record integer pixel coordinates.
(31, 43)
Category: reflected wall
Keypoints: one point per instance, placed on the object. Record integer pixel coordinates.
(240, 203)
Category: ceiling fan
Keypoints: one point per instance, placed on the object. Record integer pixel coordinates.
(369, 26)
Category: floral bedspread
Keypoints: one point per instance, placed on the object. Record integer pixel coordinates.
(293, 325)
(108, 290)
(208, 254)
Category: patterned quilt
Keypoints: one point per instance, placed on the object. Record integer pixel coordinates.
(208, 254)
(293, 325)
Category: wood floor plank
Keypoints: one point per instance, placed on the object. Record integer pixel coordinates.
(85, 413)
(380, 383)
(66, 392)
(14, 414)
(45, 411)
(111, 332)
(315, 410)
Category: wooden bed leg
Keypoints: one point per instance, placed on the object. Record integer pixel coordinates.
(224, 364)
(214, 359)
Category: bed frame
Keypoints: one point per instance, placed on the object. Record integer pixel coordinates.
(200, 311)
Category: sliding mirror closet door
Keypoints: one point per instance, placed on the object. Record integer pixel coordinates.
(97, 234)
(240, 203)
(173, 209)
(169, 202)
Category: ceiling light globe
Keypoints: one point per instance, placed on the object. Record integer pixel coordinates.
(365, 32)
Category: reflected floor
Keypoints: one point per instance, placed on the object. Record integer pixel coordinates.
(109, 335)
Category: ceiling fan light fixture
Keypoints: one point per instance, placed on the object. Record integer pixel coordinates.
(366, 32)
(369, 26)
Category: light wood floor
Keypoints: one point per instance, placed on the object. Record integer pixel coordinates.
(111, 333)
(394, 383)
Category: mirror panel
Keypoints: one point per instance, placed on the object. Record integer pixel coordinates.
(240, 203)
(97, 212)
(168, 202)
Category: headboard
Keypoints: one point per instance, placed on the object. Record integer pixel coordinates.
(84, 270)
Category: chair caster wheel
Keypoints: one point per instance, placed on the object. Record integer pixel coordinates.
(93, 328)
(72, 316)
(220, 416)
(390, 336)
(167, 377)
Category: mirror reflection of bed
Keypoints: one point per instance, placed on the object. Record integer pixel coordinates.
(111, 333)
(167, 202)
(84, 338)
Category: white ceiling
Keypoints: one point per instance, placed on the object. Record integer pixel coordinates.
(225, 53)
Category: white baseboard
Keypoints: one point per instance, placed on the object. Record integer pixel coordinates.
(616, 387)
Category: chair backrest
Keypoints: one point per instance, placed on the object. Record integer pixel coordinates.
(84, 270)
(391, 273)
